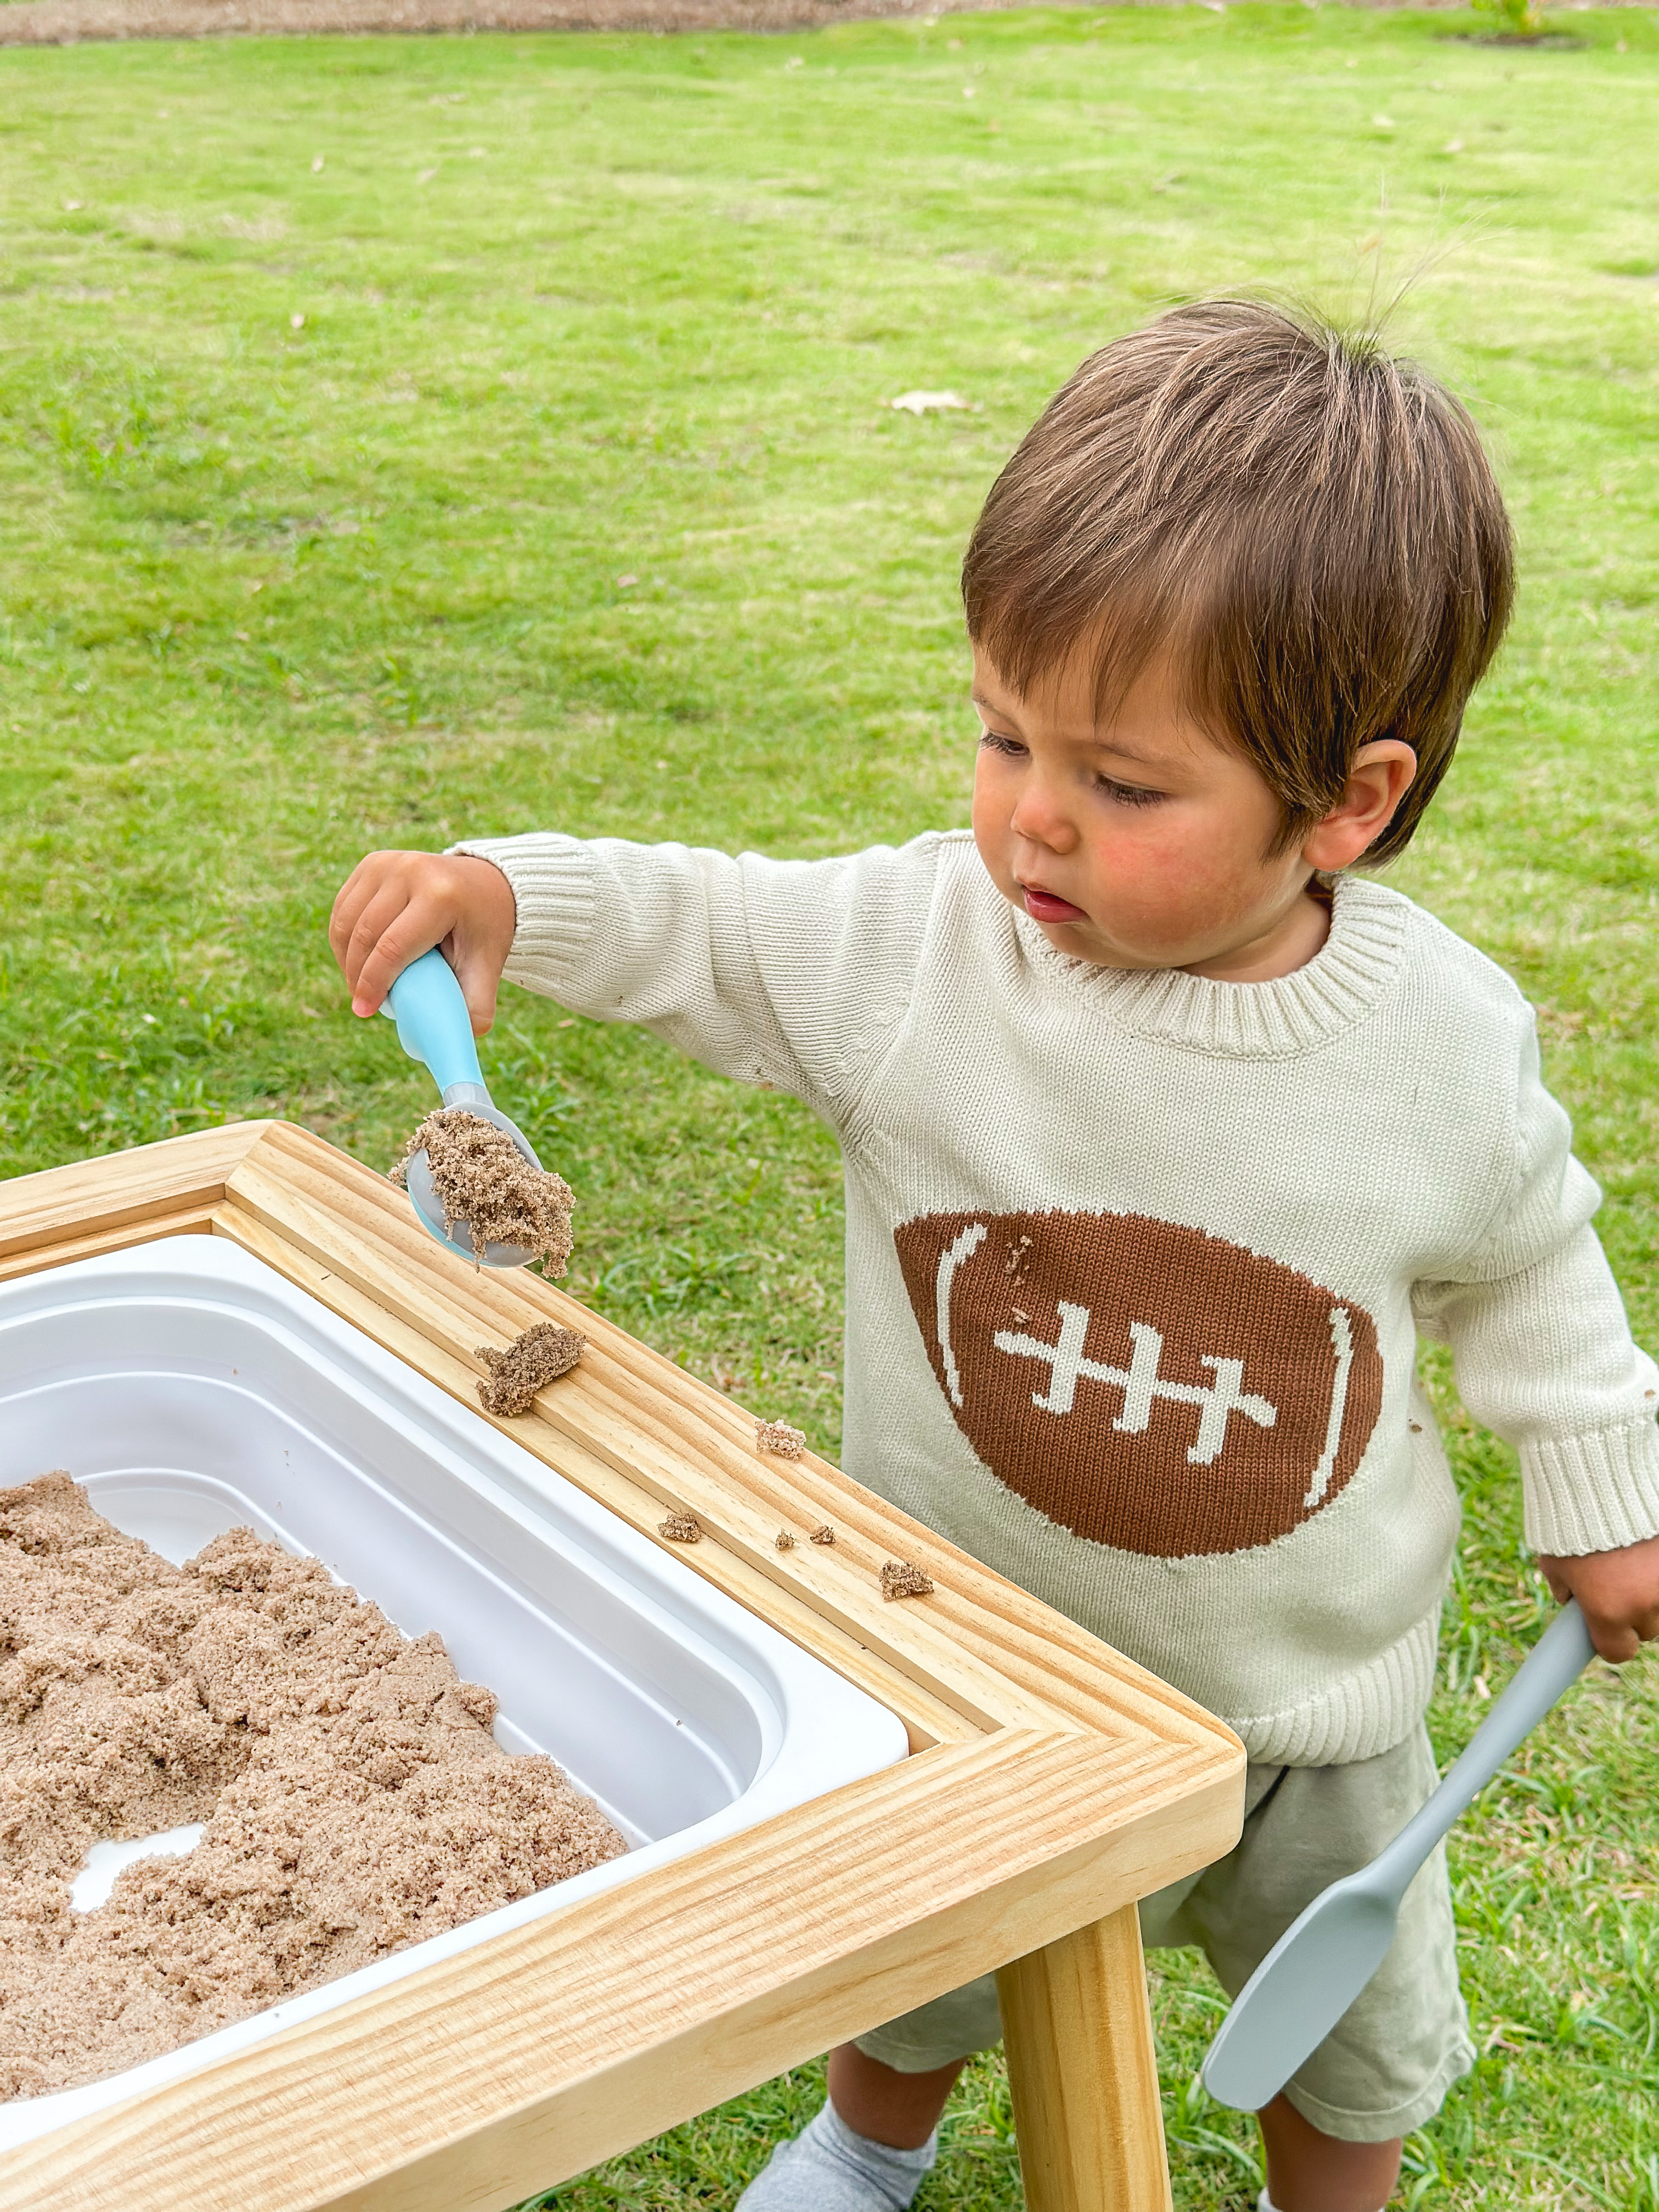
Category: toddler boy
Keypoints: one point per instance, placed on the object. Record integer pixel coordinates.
(1164, 1135)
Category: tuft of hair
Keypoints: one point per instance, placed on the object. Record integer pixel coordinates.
(1306, 527)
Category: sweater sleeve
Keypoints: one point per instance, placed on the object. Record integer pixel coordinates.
(791, 973)
(1542, 1348)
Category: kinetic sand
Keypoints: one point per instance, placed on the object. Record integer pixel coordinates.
(353, 1797)
(537, 1356)
(779, 1438)
(900, 1579)
(480, 1177)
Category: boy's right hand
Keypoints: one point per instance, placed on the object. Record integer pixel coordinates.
(395, 906)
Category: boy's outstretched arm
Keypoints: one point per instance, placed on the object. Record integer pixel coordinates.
(1617, 1591)
(794, 973)
(1543, 1356)
(395, 906)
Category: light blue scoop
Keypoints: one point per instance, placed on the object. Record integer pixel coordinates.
(433, 1026)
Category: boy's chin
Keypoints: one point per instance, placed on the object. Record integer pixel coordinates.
(1081, 940)
(1086, 940)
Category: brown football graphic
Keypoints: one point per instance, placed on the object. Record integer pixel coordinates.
(1142, 1384)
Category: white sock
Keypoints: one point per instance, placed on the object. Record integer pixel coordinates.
(829, 2167)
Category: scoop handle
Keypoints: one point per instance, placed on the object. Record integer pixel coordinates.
(433, 1022)
(1548, 1671)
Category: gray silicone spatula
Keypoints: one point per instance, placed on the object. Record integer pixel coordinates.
(1325, 1958)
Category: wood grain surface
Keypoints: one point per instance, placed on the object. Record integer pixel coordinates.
(1084, 2073)
(1052, 1783)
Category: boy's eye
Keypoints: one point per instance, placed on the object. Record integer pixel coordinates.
(994, 742)
(1128, 795)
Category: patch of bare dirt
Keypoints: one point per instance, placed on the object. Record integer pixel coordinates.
(66, 22)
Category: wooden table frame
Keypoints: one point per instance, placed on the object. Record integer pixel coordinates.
(1051, 1784)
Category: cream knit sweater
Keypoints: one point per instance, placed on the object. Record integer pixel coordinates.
(1136, 1262)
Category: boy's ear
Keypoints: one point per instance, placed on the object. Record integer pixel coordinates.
(1383, 773)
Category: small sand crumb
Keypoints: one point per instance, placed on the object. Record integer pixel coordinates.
(823, 1534)
(784, 1540)
(480, 1177)
(531, 1362)
(900, 1579)
(680, 1528)
(353, 1798)
(778, 1437)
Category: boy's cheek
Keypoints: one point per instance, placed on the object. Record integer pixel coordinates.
(991, 810)
(1160, 878)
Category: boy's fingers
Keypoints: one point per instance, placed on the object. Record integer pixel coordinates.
(404, 939)
(377, 878)
(350, 900)
(369, 897)
(1614, 1640)
(377, 920)
(1619, 1637)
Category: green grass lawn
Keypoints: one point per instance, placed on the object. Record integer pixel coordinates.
(407, 439)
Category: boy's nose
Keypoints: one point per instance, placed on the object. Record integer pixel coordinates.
(1040, 820)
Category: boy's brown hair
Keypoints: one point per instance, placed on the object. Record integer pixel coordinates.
(1308, 526)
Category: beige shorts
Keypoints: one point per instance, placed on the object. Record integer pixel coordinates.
(1386, 2066)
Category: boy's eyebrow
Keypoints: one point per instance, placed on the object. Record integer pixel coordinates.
(1128, 753)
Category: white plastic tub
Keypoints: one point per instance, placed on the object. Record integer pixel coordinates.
(191, 1388)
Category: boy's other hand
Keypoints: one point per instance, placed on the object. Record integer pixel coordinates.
(1618, 1593)
(395, 906)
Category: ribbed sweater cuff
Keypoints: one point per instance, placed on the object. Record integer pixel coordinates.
(1595, 1493)
(552, 880)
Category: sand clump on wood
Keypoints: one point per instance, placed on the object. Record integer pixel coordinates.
(778, 1438)
(537, 1356)
(681, 1529)
(353, 1797)
(480, 1177)
(900, 1579)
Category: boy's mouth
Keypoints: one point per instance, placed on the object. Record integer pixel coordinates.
(1044, 906)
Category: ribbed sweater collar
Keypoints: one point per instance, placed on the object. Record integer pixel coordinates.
(1338, 988)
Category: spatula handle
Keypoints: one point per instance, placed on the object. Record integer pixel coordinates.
(1550, 1668)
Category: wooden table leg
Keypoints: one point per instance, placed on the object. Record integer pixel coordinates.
(1079, 2035)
